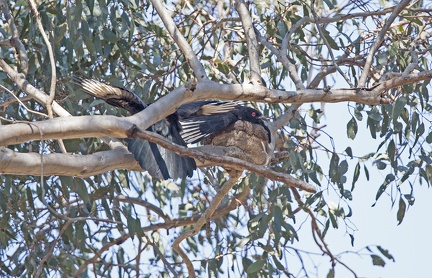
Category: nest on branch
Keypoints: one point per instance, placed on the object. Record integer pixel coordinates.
(243, 140)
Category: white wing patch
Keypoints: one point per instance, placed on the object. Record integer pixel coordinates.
(97, 89)
(218, 107)
(191, 131)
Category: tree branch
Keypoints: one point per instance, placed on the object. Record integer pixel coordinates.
(226, 162)
(283, 59)
(255, 69)
(97, 126)
(24, 85)
(51, 95)
(205, 218)
(222, 210)
(15, 40)
(66, 164)
(177, 36)
(379, 40)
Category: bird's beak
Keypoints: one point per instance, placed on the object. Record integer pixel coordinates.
(262, 118)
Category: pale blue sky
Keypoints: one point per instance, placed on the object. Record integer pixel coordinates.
(409, 242)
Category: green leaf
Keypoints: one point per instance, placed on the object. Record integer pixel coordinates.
(377, 260)
(81, 189)
(343, 167)
(398, 107)
(374, 115)
(278, 264)
(348, 151)
(314, 178)
(358, 114)
(389, 178)
(366, 172)
(356, 175)
(330, 40)
(385, 253)
(334, 168)
(401, 210)
(331, 273)
(277, 222)
(391, 150)
(352, 239)
(352, 128)
(429, 138)
(255, 267)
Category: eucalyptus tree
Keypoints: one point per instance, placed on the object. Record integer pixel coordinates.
(73, 200)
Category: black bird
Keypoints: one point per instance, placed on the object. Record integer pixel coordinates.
(202, 119)
(191, 123)
(159, 162)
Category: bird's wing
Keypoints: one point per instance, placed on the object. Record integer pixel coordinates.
(197, 128)
(159, 162)
(205, 108)
(178, 166)
(218, 107)
(115, 96)
(149, 158)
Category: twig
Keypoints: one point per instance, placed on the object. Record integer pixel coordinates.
(177, 36)
(205, 218)
(19, 100)
(379, 40)
(222, 210)
(316, 234)
(283, 59)
(15, 40)
(330, 51)
(163, 258)
(141, 202)
(8, 102)
(85, 263)
(287, 116)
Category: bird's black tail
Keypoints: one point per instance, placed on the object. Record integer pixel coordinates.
(159, 162)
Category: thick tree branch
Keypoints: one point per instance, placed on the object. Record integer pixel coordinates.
(66, 164)
(177, 36)
(255, 69)
(42, 98)
(379, 40)
(97, 126)
(65, 128)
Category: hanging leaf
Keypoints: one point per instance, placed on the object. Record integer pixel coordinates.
(352, 128)
(401, 210)
(398, 107)
(356, 175)
(377, 260)
(255, 267)
(385, 253)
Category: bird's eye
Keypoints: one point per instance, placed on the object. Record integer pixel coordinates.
(253, 114)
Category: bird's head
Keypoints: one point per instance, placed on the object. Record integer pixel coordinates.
(254, 116)
(251, 115)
